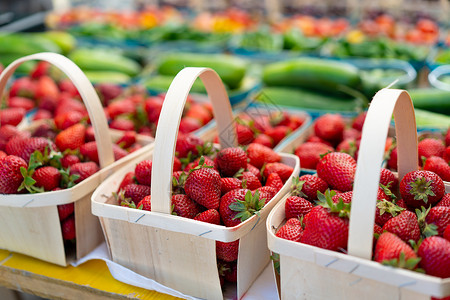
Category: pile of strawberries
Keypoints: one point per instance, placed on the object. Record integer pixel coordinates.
(332, 132)
(434, 154)
(223, 187)
(264, 127)
(412, 220)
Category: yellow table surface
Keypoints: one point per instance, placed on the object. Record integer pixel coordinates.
(91, 280)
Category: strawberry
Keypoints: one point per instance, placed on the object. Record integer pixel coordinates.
(446, 234)
(349, 146)
(176, 164)
(337, 170)
(211, 216)
(283, 170)
(228, 184)
(145, 203)
(392, 161)
(405, 226)
(42, 68)
(227, 251)
(206, 162)
(231, 160)
(122, 124)
(238, 205)
(296, 207)
(203, 186)
(187, 143)
(35, 144)
(15, 145)
(199, 112)
(45, 130)
(23, 87)
(265, 140)
(127, 139)
(440, 217)
(66, 85)
(10, 174)
(188, 124)
(307, 186)
(439, 166)
(9, 131)
(310, 152)
(121, 107)
(108, 91)
(430, 147)
(21, 102)
(245, 135)
(250, 180)
(434, 252)
(143, 172)
(47, 177)
(46, 87)
(345, 197)
(387, 178)
(118, 152)
(445, 201)
(66, 119)
(274, 181)
(152, 107)
(127, 179)
(184, 207)
(136, 192)
(254, 170)
(447, 137)
(291, 231)
(391, 250)
(71, 138)
(84, 170)
(386, 210)
(65, 210)
(42, 114)
(68, 228)
(315, 139)
(278, 133)
(11, 116)
(447, 154)
(69, 159)
(351, 133)
(330, 127)
(230, 272)
(266, 193)
(358, 122)
(3, 154)
(326, 225)
(421, 188)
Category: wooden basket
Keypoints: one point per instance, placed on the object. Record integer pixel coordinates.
(174, 251)
(309, 272)
(29, 222)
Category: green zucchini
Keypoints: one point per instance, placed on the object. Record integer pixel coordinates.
(24, 68)
(231, 69)
(431, 99)
(22, 44)
(65, 41)
(104, 60)
(322, 75)
(430, 119)
(107, 77)
(161, 83)
(306, 99)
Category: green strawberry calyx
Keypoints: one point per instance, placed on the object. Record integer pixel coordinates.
(421, 188)
(426, 229)
(28, 183)
(386, 189)
(340, 208)
(385, 206)
(402, 262)
(296, 188)
(248, 207)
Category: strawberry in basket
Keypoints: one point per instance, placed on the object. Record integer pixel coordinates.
(220, 187)
(412, 221)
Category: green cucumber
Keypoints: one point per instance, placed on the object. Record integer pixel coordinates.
(301, 98)
(103, 60)
(430, 119)
(24, 68)
(431, 99)
(65, 41)
(107, 77)
(161, 83)
(322, 75)
(22, 44)
(231, 69)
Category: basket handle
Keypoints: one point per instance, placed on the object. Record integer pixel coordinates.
(87, 92)
(370, 157)
(169, 121)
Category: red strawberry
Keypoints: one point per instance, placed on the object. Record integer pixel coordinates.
(176, 164)
(445, 201)
(69, 159)
(211, 216)
(207, 162)
(118, 152)
(447, 154)
(358, 122)
(10, 175)
(68, 228)
(3, 154)
(108, 91)
(351, 133)
(228, 184)
(21, 102)
(9, 131)
(227, 251)
(47, 177)
(349, 146)
(187, 143)
(446, 234)
(42, 68)
(84, 170)
(310, 152)
(188, 124)
(46, 87)
(330, 127)
(405, 226)
(430, 147)
(264, 139)
(127, 179)
(120, 107)
(122, 124)
(143, 172)
(324, 227)
(153, 106)
(231, 160)
(199, 112)
(439, 216)
(296, 207)
(203, 186)
(127, 139)
(308, 186)
(184, 207)
(66, 85)
(254, 170)
(23, 87)
(421, 188)
(145, 203)
(90, 151)
(345, 197)
(315, 139)
(15, 145)
(65, 210)
(386, 210)
(434, 252)
(278, 133)
(338, 170)
(250, 181)
(11, 116)
(392, 161)
(71, 138)
(35, 143)
(67, 119)
(283, 170)
(387, 178)
(45, 130)
(389, 247)
(275, 181)
(266, 193)
(292, 230)
(439, 166)
(238, 205)
(42, 114)
(245, 135)
(136, 192)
